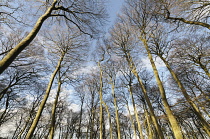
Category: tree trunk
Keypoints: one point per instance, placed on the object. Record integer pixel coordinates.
(154, 118)
(24, 127)
(150, 134)
(187, 97)
(10, 57)
(42, 105)
(116, 110)
(135, 111)
(132, 122)
(80, 120)
(172, 119)
(110, 121)
(101, 101)
(52, 128)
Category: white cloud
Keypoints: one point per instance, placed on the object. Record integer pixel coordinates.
(86, 70)
(74, 107)
(158, 62)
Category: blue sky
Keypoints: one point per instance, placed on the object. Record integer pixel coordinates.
(113, 9)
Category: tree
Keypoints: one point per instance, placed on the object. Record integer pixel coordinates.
(138, 15)
(53, 120)
(85, 15)
(111, 73)
(161, 47)
(123, 43)
(63, 47)
(192, 12)
(21, 78)
(129, 83)
(194, 51)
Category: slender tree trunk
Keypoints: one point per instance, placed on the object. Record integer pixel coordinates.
(52, 127)
(116, 110)
(132, 122)
(9, 58)
(92, 123)
(87, 129)
(42, 105)
(150, 134)
(101, 100)
(23, 129)
(80, 120)
(2, 117)
(135, 112)
(172, 119)
(154, 118)
(110, 121)
(15, 134)
(187, 97)
(104, 126)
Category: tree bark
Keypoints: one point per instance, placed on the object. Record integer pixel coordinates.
(150, 134)
(154, 118)
(172, 119)
(10, 57)
(110, 121)
(116, 110)
(135, 112)
(101, 100)
(187, 97)
(42, 105)
(52, 127)
(132, 122)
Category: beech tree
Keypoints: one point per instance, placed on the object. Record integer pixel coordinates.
(192, 12)
(138, 15)
(87, 16)
(123, 42)
(161, 48)
(64, 45)
(148, 77)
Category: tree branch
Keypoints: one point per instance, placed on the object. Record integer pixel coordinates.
(190, 22)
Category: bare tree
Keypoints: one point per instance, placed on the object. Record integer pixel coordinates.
(123, 44)
(85, 15)
(138, 15)
(192, 12)
(161, 47)
(64, 46)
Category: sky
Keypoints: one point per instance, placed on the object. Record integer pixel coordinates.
(113, 8)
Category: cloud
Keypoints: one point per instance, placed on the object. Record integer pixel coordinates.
(158, 62)
(74, 107)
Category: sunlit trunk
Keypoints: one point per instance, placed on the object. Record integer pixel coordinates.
(172, 119)
(25, 126)
(44, 100)
(134, 71)
(52, 128)
(116, 110)
(187, 97)
(101, 101)
(9, 58)
(132, 121)
(135, 111)
(110, 121)
(149, 124)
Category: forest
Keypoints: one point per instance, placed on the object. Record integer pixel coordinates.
(66, 74)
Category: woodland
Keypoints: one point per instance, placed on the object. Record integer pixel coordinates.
(64, 74)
